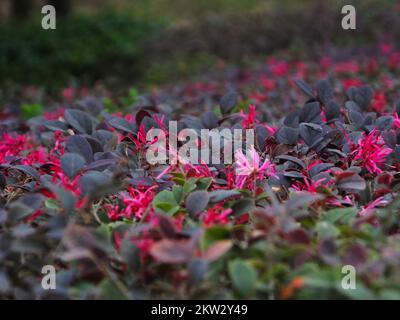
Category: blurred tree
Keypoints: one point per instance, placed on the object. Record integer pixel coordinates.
(21, 9)
(63, 7)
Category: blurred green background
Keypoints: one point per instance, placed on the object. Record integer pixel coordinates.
(121, 43)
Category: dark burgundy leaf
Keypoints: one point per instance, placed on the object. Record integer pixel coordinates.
(301, 199)
(79, 120)
(328, 253)
(356, 255)
(295, 160)
(242, 206)
(350, 181)
(140, 115)
(384, 123)
(100, 165)
(71, 163)
(167, 227)
(319, 168)
(293, 174)
(228, 102)
(3, 181)
(196, 202)
(325, 92)
(169, 251)
(397, 153)
(210, 120)
(361, 95)
(298, 236)
(311, 113)
(123, 125)
(95, 144)
(310, 133)
(55, 125)
(27, 170)
(305, 87)
(292, 120)
(390, 138)
(287, 135)
(78, 144)
(356, 118)
(332, 110)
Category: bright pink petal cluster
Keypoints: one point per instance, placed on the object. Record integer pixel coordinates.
(135, 201)
(371, 152)
(249, 167)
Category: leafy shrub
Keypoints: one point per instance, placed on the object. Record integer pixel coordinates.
(322, 190)
(87, 48)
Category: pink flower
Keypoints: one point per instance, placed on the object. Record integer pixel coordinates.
(350, 66)
(68, 94)
(310, 185)
(325, 62)
(379, 102)
(21, 146)
(267, 83)
(54, 114)
(378, 202)
(278, 68)
(248, 168)
(216, 215)
(371, 152)
(372, 66)
(271, 130)
(394, 60)
(352, 83)
(249, 119)
(385, 48)
(136, 203)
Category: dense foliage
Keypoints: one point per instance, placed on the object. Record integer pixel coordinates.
(87, 48)
(323, 189)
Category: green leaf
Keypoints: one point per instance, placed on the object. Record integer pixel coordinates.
(360, 293)
(326, 229)
(165, 196)
(31, 110)
(343, 215)
(204, 183)
(109, 291)
(178, 193)
(219, 195)
(243, 277)
(167, 208)
(165, 202)
(214, 234)
(190, 185)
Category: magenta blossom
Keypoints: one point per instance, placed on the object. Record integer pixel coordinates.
(371, 152)
(249, 168)
(379, 202)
